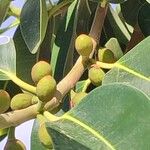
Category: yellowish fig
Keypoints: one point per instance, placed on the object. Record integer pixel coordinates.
(106, 55)
(96, 75)
(78, 97)
(4, 101)
(21, 101)
(44, 137)
(39, 70)
(46, 88)
(14, 144)
(84, 45)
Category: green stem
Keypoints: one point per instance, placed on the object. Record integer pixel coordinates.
(15, 11)
(14, 24)
(87, 83)
(105, 65)
(11, 133)
(19, 82)
(50, 116)
(41, 119)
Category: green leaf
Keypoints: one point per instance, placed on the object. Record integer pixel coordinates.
(4, 5)
(62, 51)
(33, 23)
(7, 57)
(35, 142)
(111, 117)
(120, 30)
(133, 68)
(80, 85)
(24, 59)
(130, 9)
(114, 46)
(144, 19)
(3, 133)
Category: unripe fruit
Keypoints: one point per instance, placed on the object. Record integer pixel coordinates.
(4, 101)
(39, 70)
(21, 101)
(84, 45)
(78, 97)
(96, 75)
(14, 144)
(105, 55)
(46, 88)
(45, 137)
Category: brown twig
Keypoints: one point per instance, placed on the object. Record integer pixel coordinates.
(17, 117)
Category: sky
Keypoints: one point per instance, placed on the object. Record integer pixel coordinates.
(23, 131)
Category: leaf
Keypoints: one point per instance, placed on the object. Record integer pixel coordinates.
(24, 59)
(35, 142)
(144, 19)
(7, 57)
(33, 25)
(133, 68)
(120, 30)
(4, 5)
(80, 85)
(114, 46)
(130, 9)
(111, 117)
(62, 51)
(3, 133)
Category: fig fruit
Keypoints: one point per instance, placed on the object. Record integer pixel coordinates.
(21, 101)
(46, 88)
(78, 97)
(14, 144)
(44, 137)
(84, 45)
(39, 70)
(106, 55)
(96, 75)
(4, 101)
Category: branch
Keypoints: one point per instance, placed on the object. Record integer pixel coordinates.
(17, 117)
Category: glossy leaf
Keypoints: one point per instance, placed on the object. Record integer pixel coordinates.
(62, 51)
(33, 25)
(133, 68)
(7, 57)
(119, 29)
(111, 117)
(25, 60)
(4, 5)
(130, 9)
(114, 46)
(35, 142)
(144, 19)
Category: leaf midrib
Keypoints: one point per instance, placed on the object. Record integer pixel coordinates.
(89, 129)
(117, 65)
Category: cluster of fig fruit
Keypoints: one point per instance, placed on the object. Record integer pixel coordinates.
(45, 89)
(84, 47)
(41, 74)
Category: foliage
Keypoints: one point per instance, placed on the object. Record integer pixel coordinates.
(114, 111)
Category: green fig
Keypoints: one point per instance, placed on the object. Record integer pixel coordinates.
(84, 45)
(4, 101)
(39, 70)
(96, 75)
(14, 144)
(106, 55)
(21, 101)
(78, 97)
(44, 137)
(46, 88)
